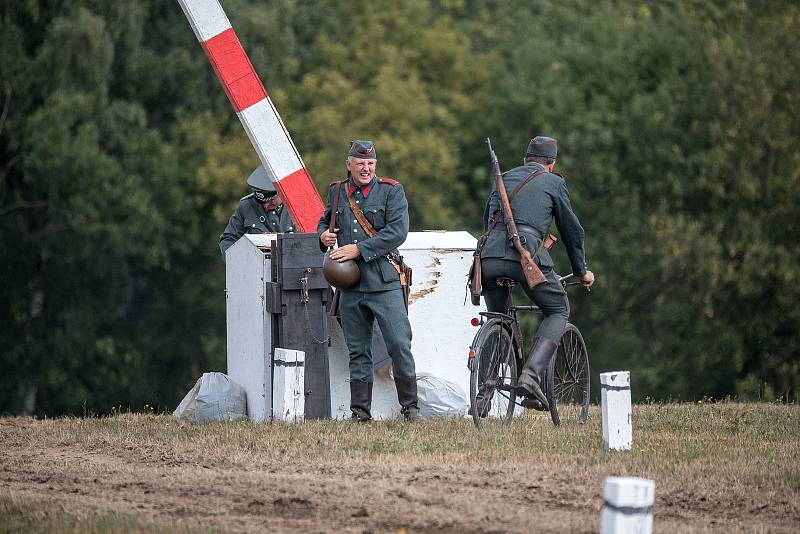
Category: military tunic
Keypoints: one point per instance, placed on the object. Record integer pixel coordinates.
(378, 295)
(536, 205)
(251, 217)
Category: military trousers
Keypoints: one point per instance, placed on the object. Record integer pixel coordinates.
(359, 310)
(550, 297)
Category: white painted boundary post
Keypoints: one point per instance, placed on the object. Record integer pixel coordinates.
(616, 399)
(288, 385)
(627, 506)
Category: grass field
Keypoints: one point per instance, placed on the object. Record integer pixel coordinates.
(720, 467)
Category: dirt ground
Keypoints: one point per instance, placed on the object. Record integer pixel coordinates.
(152, 475)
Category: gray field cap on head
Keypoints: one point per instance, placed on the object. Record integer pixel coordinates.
(545, 147)
(362, 149)
(259, 180)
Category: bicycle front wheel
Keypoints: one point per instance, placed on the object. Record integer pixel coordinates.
(568, 379)
(493, 373)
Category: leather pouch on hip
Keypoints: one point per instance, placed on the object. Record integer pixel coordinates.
(549, 241)
(474, 279)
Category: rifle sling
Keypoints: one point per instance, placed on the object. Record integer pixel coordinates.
(496, 215)
(335, 204)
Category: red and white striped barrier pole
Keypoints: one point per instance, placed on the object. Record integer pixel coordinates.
(255, 110)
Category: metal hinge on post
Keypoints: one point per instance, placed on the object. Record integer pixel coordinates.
(272, 293)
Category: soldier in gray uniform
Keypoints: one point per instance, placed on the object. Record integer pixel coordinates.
(378, 294)
(543, 199)
(260, 212)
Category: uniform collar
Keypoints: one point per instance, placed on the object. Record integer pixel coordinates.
(352, 187)
(535, 164)
(276, 209)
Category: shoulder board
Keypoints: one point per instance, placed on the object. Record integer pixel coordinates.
(557, 174)
(246, 197)
(388, 181)
(335, 183)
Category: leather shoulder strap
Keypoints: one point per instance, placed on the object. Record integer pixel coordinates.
(365, 224)
(335, 203)
(523, 183)
(394, 257)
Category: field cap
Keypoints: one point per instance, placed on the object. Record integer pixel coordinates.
(545, 147)
(362, 149)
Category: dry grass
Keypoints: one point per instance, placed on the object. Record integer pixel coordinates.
(718, 467)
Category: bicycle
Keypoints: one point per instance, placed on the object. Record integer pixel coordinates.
(496, 358)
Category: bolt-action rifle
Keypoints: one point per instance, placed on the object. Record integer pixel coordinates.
(533, 275)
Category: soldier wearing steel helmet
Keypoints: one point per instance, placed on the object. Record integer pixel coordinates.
(377, 295)
(536, 205)
(260, 212)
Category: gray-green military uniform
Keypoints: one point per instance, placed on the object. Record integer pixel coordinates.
(378, 295)
(535, 207)
(251, 217)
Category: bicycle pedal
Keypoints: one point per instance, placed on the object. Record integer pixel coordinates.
(532, 404)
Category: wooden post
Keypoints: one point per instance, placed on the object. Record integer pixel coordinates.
(297, 300)
(627, 506)
(288, 385)
(616, 400)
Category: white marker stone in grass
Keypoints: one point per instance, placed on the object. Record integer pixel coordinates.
(615, 390)
(288, 385)
(627, 506)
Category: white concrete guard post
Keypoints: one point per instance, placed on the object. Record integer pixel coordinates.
(440, 322)
(249, 325)
(615, 390)
(288, 380)
(627, 506)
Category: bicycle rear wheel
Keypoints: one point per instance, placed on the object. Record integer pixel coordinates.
(493, 373)
(568, 379)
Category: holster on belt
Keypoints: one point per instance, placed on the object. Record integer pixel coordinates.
(394, 257)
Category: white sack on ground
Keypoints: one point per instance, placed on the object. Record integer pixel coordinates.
(440, 398)
(214, 397)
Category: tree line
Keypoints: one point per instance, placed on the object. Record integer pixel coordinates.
(121, 161)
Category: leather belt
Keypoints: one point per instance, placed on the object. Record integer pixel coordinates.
(529, 230)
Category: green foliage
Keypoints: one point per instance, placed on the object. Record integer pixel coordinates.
(121, 160)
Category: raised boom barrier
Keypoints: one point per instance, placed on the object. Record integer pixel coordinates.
(256, 111)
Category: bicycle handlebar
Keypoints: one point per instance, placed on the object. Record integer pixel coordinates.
(564, 283)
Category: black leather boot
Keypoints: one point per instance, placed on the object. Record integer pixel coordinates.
(360, 400)
(407, 396)
(530, 381)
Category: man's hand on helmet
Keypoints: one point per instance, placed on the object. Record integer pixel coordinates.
(346, 252)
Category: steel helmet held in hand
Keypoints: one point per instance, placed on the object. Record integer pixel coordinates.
(340, 275)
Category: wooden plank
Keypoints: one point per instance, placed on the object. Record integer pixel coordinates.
(300, 250)
(303, 325)
(293, 278)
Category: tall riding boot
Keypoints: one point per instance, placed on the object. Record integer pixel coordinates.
(530, 381)
(407, 395)
(360, 400)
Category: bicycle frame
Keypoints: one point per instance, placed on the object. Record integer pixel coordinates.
(509, 320)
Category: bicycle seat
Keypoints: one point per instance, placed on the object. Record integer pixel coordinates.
(505, 281)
